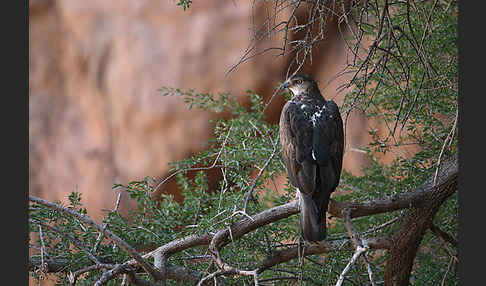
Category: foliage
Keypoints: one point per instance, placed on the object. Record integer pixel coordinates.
(406, 81)
(185, 4)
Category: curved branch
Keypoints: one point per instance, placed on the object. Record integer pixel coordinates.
(407, 238)
(238, 229)
(416, 198)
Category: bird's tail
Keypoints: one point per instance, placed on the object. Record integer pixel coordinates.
(312, 218)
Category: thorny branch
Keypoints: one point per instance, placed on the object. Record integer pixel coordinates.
(100, 235)
(122, 244)
(76, 242)
(260, 173)
(216, 241)
(302, 26)
(213, 165)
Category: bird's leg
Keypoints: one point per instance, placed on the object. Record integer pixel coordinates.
(297, 197)
(300, 251)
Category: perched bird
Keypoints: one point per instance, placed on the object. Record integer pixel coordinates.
(311, 134)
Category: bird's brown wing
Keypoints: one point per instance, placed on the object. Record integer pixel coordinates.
(328, 146)
(312, 149)
(296, 140)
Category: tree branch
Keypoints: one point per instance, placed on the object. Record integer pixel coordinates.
(55, 264)
(76, 242)
(416, 198)
(441, 234)
(444, 235)
(60, 264)
(420, 198)
(281, 256)
(359, 250)
(407, 238)
(121, 243)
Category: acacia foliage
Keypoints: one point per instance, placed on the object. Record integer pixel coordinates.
(405, 80)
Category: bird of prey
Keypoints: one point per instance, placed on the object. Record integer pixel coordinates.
(312, 139)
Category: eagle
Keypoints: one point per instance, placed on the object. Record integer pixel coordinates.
(312, 139)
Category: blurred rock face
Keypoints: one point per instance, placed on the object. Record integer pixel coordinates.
(95, 115)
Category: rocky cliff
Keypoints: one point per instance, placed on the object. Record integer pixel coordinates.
(95, 115)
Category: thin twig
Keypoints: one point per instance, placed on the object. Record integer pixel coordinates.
(76, 242)
(210, 276)
(450, 137)
(43, 250)
(117, 240)
(124, 280)
(368, 268)
(440, 233)
(444, 244)
(249, 194)
(213, 165)
(447, 272)
(359, 250)
(73, 277)
(353, 234)
(100, 235)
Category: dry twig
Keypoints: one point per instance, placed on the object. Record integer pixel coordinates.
(121, 243)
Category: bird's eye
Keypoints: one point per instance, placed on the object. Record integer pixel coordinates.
(299, 81)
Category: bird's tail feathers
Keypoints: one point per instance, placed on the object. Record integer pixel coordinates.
(312, 218)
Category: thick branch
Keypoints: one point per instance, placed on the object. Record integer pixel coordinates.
(414, 225)
(246, 225)
(417, 199)
(281, 256)
(238, 229)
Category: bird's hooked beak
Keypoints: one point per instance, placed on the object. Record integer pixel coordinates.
(286, 84)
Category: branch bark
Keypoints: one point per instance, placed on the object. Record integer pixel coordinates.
(418, 197)
(419, 218)
(60, 264)
(422, 202)
(281, 256)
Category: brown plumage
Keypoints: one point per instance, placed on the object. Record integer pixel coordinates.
(312, 139)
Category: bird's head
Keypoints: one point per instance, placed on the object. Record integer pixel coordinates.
(300, 84)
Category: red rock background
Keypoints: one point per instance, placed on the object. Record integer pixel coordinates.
(95, 115)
